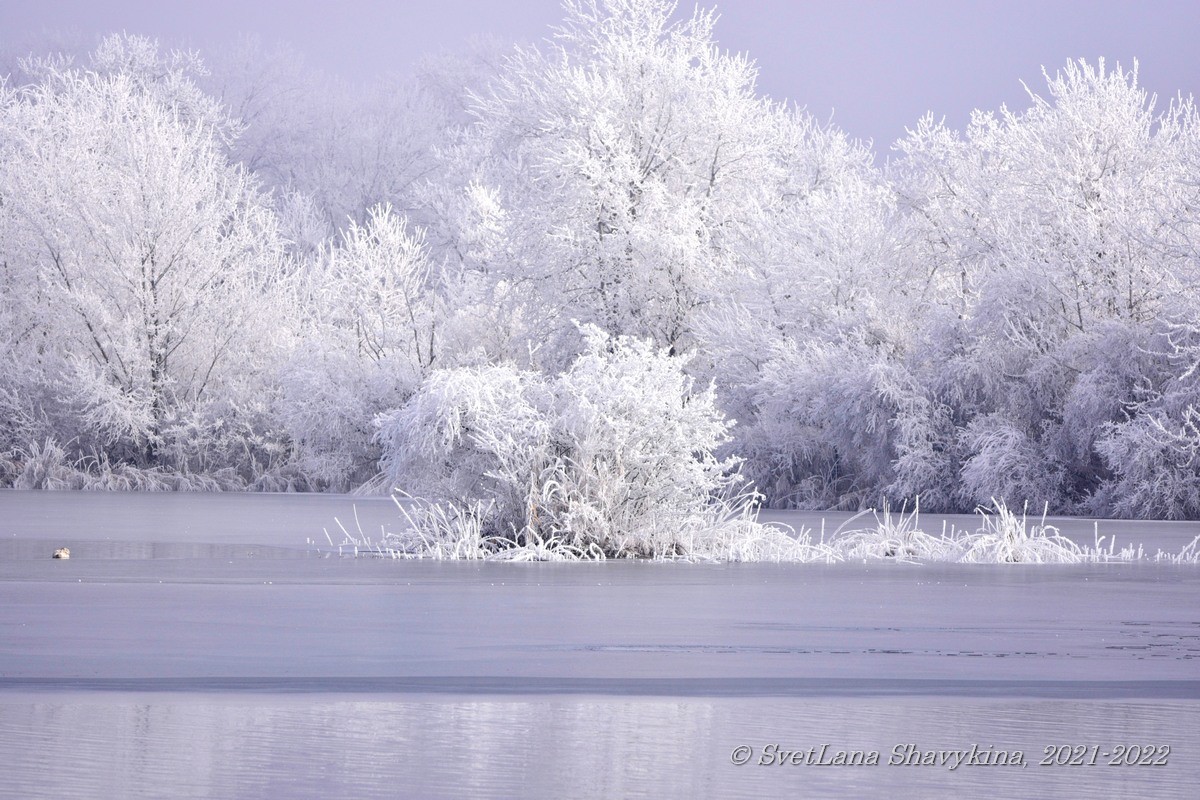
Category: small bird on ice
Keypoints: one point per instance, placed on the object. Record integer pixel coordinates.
(62, 552)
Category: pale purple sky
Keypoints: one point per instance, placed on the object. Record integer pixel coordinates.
(876, 66)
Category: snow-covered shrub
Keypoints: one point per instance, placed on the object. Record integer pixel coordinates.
(818, 433)
(326, 401)
(41, 466)
(617, 452)
(1007, 462)
(926, 461)
(1154, 455)
(637, 441)
(472, 434)
(1157, 462)
(50, 465)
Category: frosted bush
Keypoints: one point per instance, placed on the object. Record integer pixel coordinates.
(1155, 454)
(50, 465)
(615, 454)
(1157, 462)
(817, 432)
(41, 466)
(1006, 461)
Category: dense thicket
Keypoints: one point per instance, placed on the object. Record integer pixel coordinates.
(241, 273)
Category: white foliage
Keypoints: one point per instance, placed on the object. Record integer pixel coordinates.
(1009, 312)
(1053, 243)
(346, 146)
(617, 452)
(819, 433)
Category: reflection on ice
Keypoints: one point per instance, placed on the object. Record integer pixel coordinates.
(328, 746)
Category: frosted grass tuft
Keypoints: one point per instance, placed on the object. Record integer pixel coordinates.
(728, 531)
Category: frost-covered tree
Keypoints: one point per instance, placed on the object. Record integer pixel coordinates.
(370, 313)
(610, 175)
(455, 262)
(805, 347)
(628, 175)
(139, 259)
(990, 321)
(338, 148)
(1153, 454)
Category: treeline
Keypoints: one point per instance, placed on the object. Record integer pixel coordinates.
(238, 273)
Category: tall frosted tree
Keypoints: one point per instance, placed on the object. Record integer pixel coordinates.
(627, 174)
(806, 349)
(368, 333)
(139, 258)
(610, 175)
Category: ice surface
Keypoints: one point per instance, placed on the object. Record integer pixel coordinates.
(207, 623)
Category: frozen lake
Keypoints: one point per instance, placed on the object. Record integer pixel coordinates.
(198, 646)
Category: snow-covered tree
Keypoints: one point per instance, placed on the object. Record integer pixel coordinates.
(802, 347)
(617, 166)
(369, 333)
(140, 259)
(338, 147)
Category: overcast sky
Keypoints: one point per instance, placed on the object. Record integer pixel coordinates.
(876, 67)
